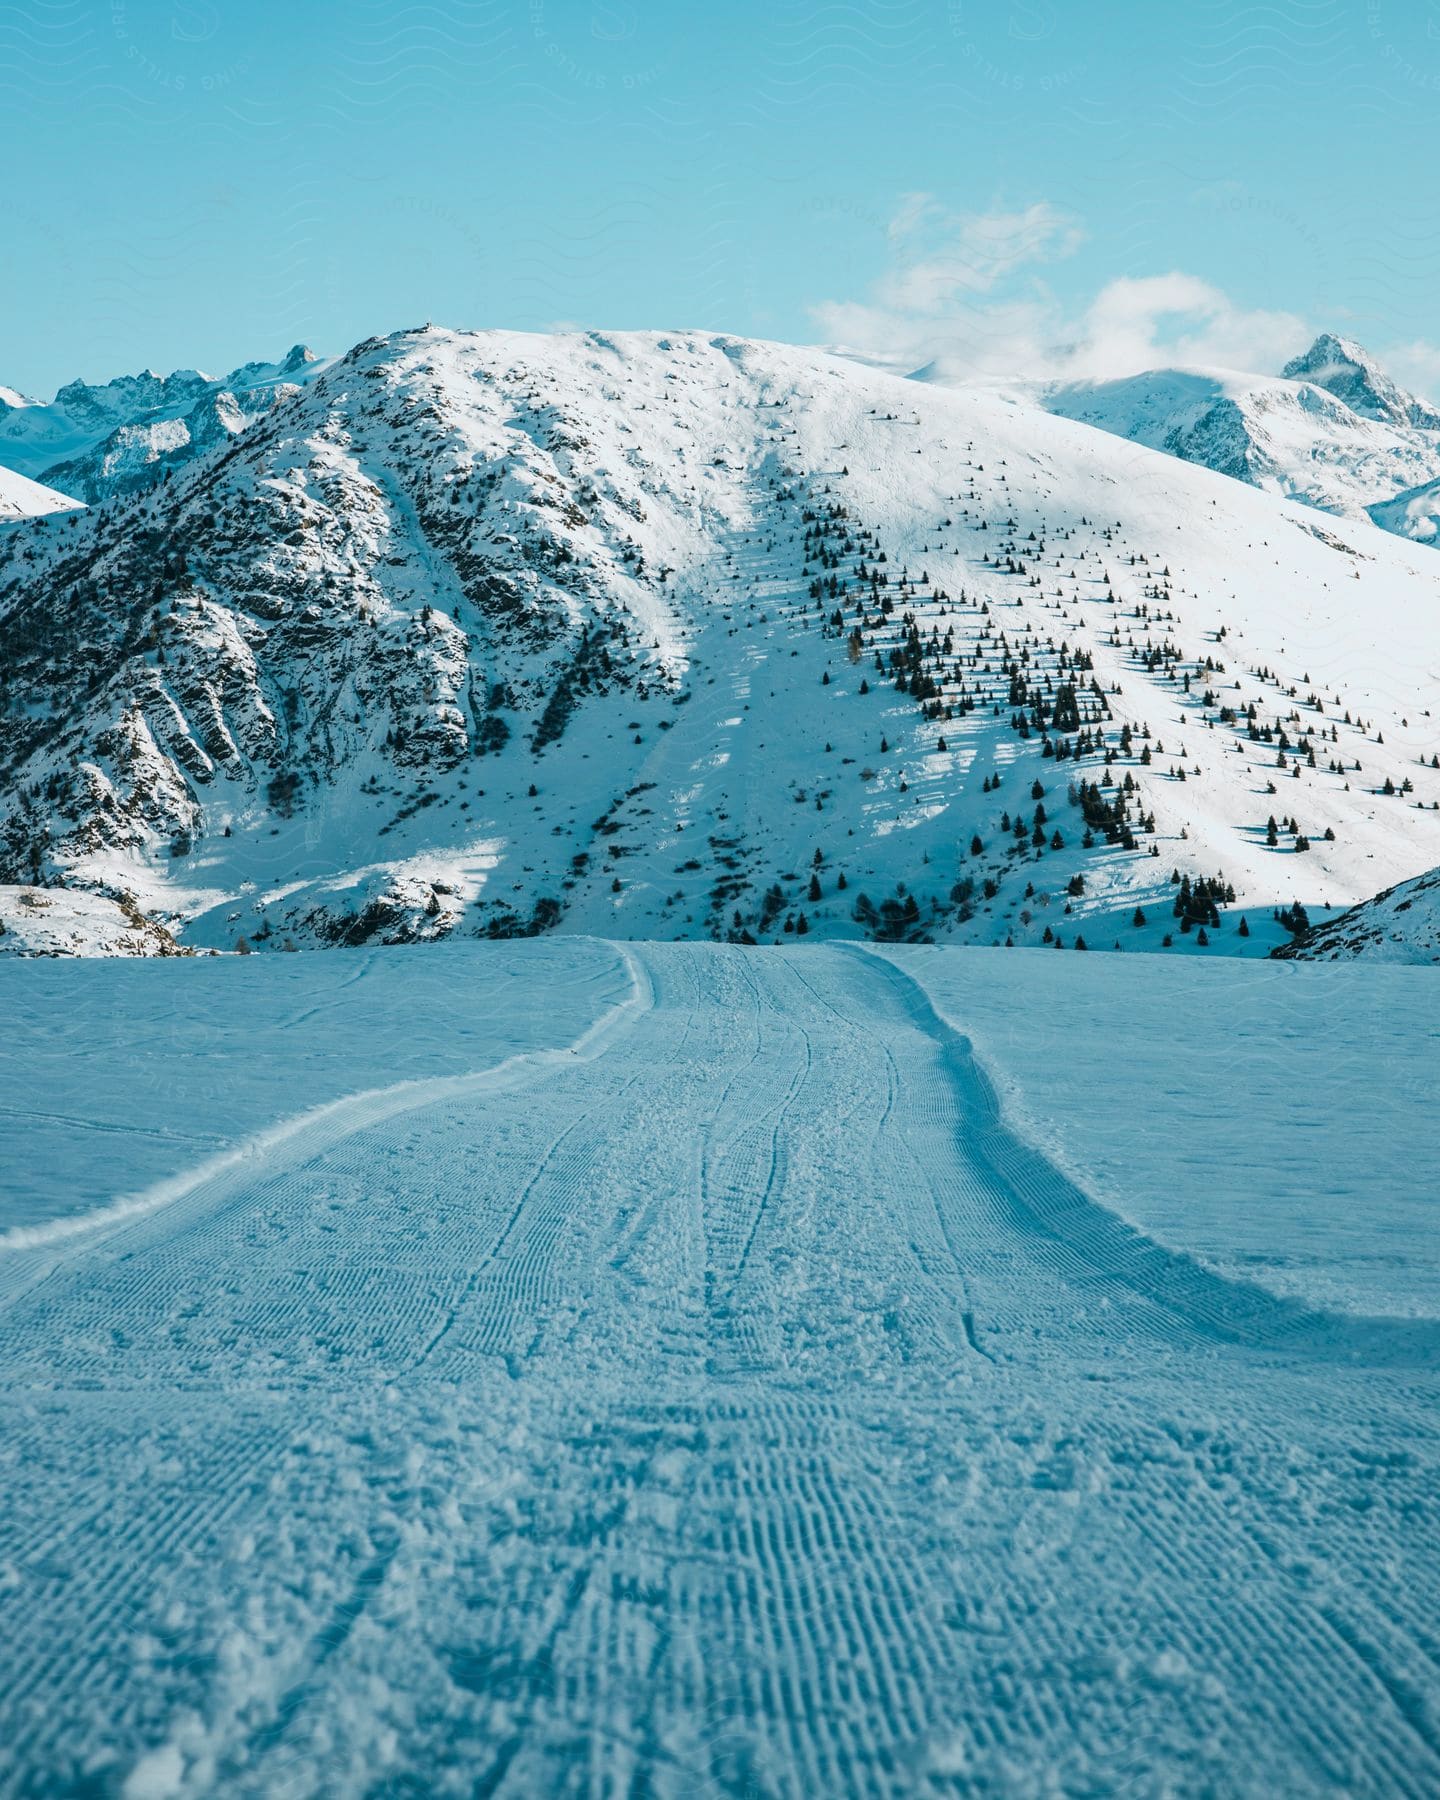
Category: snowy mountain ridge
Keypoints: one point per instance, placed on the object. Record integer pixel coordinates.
(1333, 431)
(1400, 925)
(95, 439)
(672, 635)
(21, 498)
(1348, 371)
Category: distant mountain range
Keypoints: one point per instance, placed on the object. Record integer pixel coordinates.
(1332, 430)
(94, 440)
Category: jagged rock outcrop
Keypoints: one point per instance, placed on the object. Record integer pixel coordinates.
(685, 635)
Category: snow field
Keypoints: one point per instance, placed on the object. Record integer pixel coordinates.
(738, 1406)
(127, 1082)
(1273, 1120)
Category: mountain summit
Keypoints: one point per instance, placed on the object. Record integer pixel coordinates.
(1350, 373)
(685, 635)
(1333, 431)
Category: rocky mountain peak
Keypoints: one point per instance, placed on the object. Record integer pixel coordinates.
(1349, 372)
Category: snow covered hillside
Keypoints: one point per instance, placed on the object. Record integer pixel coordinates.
(52, 921)
(97, 439)
(1400, 925)
(688, 636)
(572, 1368)
(21, 498)
(1414, 513)
(1334, 431)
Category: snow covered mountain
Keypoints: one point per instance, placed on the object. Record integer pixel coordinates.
(95, 440)
(1414, 513)
(1333, 431)
(1351, 374)
(21, 498)
(680, 636)
(1400, 925)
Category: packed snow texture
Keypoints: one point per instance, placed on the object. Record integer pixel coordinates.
(700, 1386)
(125, 1081)
(1258, 1118)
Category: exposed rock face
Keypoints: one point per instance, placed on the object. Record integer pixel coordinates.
(691, 636)
(39, 921)
(1401, 925)
(1344, 369)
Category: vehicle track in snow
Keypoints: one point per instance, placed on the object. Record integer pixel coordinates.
(1095, 1246)
(733, 1407)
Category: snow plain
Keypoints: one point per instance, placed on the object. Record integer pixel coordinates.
(1275, 1120)
(559, 1367)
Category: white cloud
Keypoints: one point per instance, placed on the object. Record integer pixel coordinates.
(1414, 365)
(942, 258)
(912, 211)
(963, 292)
(1176, 318)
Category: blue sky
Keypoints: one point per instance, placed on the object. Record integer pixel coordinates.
(995, 183)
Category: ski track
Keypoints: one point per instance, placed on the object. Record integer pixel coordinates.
(725, 1404)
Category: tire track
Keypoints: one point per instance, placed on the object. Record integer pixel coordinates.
(431, 1464)
(29, 1253)
(1097, 1249)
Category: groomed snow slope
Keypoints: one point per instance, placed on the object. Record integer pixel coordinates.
(1200, 1103)
(123, 1081)
(718, 1398)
